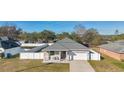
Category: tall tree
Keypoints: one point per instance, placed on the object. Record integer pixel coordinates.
(10, 31)
(63, 35)
(88, 36)
(80, 30)
(47, 35)
(92, 37)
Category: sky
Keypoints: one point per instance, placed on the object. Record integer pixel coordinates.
(103, 27)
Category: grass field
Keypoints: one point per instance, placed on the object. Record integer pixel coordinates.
(107, 64)
(16, 65)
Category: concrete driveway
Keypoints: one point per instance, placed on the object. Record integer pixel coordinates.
(80, 66)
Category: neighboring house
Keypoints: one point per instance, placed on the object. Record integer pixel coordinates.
(8, 47)
(113, 49)
(68, 50)
(33, 44)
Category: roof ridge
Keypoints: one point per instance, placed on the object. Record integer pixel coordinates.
(63, 46)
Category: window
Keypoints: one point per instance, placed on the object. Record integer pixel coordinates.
(57, 52)
(52, 52)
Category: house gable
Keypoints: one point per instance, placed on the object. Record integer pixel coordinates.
(64, 45)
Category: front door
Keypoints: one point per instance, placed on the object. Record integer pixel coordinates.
(63, 54)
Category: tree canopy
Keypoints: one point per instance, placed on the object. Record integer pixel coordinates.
(80, 34)
(10, 31)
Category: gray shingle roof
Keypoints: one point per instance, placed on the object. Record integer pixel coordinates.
(38, 48)
(55, 47)
(117, 46)
(8, 44)
(65, 45)
(4, 38)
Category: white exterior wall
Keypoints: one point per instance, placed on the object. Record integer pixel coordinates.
(67, 55)
(30, 55)
(12, 51)
(80, 55)
(84, 55)
(95, 56)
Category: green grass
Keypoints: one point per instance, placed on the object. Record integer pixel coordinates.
(16, 65)
(107, 64)
(120, 65)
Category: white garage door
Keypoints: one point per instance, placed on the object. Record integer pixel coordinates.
(79, 55)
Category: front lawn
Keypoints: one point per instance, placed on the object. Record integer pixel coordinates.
(17, 65)
(107, 64)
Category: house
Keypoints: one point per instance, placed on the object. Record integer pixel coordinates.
(68, 50)
(113, 49)
(8, 47)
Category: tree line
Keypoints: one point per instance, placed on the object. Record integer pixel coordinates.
(80, 34)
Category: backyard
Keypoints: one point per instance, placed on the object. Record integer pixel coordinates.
(107, 64)
(16, 65)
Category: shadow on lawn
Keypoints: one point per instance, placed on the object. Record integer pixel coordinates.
(102, 58)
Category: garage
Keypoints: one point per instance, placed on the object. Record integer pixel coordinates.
(80, 55)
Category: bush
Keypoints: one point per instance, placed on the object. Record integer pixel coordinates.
(1, 55)
(122, 60)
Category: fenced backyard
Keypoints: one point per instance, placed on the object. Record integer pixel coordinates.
(31, 55)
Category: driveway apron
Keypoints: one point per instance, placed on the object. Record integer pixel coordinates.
(81, 66)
